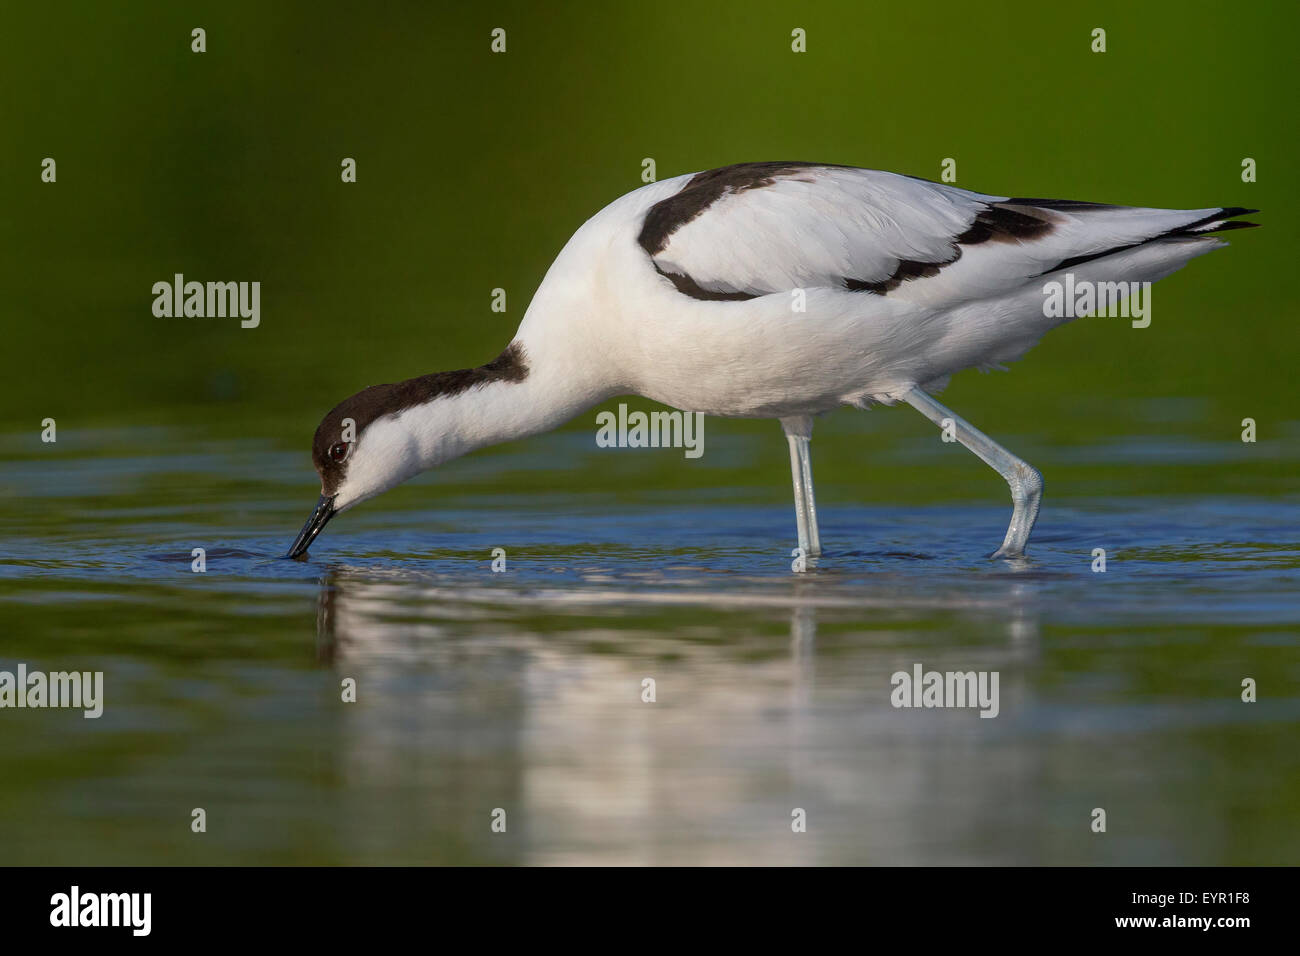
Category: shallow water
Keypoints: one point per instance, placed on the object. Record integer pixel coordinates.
(522, 690)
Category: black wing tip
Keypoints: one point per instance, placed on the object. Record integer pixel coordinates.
(1228, 226)
(1217, 222)
(1201, 228)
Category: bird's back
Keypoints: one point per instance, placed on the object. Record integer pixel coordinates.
(765, 288)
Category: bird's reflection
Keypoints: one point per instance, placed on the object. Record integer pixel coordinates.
(325, 623)
(474, 698)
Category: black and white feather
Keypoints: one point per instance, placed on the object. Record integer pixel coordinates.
(761, 228)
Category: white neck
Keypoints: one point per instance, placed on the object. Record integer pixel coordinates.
(495, 412)
(424, 436)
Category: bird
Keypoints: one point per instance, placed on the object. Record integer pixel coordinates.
(778, 290)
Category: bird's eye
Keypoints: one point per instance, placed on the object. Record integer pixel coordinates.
(339, 451)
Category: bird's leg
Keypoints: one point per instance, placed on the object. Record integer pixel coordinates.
(1025, 481)
(810, 502)
(800, 504)
(798, 432)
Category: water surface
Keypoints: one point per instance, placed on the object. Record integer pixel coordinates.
(522, 690)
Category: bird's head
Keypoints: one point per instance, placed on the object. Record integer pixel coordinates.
(360, 450)
(385, 434)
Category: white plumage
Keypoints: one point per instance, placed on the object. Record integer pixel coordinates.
(781, 290)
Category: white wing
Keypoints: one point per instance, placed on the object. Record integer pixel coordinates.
(758, 228)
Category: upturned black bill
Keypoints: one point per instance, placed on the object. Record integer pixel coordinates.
(319, 518)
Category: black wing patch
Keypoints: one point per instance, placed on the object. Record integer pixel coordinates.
(1012, 221)
(997, 222)
(703, 190)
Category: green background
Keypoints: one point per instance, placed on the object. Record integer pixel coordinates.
(474, 168)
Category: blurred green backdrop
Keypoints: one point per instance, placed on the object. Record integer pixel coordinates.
(474, 168)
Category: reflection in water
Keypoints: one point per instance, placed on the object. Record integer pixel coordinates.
(523, 691)
(531, 701)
